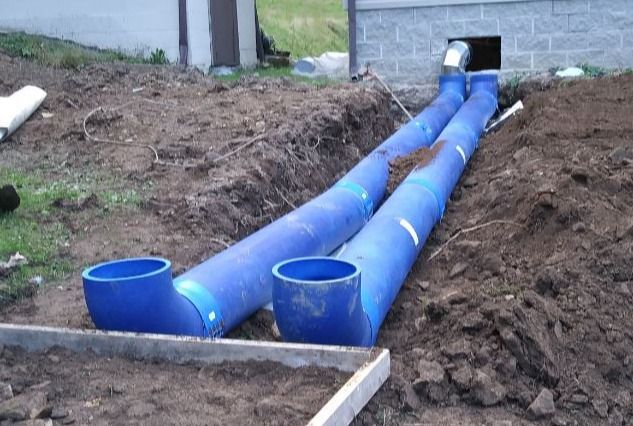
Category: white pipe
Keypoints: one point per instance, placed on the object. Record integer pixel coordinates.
(17, 108)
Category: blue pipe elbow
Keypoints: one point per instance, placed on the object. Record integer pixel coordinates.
(218, 294)
(387, 247)
(318, 300)
(138, 295)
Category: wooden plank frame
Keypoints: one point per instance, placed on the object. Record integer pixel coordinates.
(370, 366)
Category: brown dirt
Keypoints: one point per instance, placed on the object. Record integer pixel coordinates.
(401, 167)
(88, 389)
(543, 305)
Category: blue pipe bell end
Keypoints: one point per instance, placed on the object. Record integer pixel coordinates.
(138, 295)
(318, 300)
(454, 83)
(485, 82)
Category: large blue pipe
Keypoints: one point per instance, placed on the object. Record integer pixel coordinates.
(323, 299)
(217, 295)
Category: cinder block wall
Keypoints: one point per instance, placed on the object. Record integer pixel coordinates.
(407, 43)
(138, 26)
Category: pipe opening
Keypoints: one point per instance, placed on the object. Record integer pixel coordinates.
(485, 53)
(127, 269)
(316, 270)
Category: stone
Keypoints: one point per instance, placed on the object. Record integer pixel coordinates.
(458, 269)
(54, 359)
(462, 377)
(507, 366)
(487, 391)
(579, 227)
(457, 299)
(59, 413)
(424, 285)
(459, 349)
(558, 330)
(25, 406)
(432, 381)
(436, 311)
(470, 182)
(620, 157)
(9, 199)
(473, 322)
(410, 400)
(624, 289)
(601, 407)
(559, 421)
(6, 392)
(579, 399)
(543, 405)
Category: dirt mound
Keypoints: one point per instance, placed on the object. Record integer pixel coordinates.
(401, 167)
(540, 301)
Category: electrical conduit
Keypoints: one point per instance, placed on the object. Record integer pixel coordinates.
(214, 297)
(343, 300)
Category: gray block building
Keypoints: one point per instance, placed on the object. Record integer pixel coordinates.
(404, 40)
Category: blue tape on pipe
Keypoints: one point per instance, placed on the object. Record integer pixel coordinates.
(362, 193)
(431, 188)
(206, 305)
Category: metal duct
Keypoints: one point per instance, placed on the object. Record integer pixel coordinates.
(456, 57)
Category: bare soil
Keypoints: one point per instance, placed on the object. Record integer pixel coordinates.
(536, 297)
(83, 388)
(511, 309)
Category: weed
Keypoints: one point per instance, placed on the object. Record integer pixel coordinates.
(34, 231)
(158, 57)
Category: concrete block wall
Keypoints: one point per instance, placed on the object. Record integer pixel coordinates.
(406, 43)
(138, 26)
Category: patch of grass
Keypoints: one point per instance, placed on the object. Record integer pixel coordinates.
(158, 57)
(35, 231)
(272, 72)
(59, 53)
(305, 28)
(592, 71)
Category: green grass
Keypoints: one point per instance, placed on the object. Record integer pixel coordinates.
(35, 231)
(63, 54)
(305, 28)
(272, 72)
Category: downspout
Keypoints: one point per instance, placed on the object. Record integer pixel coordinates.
(183, 32)
(353, 56)
(344, 300)
(217, 295)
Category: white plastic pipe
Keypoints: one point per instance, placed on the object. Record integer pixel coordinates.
(17, 108)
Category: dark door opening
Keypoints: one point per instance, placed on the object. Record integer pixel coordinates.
(225, 43)
(486, 53)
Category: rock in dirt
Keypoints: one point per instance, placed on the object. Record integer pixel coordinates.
(601, 407)
(9, 199)
(487, 391)
(424, 285)
(458, 269)
(410, 400)
(579, 399)
(459, 349)
(6, 392)
(25, 406)
(579, 227)
(473, 322)
(543, 405)
(462, 377)
(59, 413)
(432, 381)
(525, 335)
(436, 311)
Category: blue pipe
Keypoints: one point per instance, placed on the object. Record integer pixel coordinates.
(217, 295)
(323, 300)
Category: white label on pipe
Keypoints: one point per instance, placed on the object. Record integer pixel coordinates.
(462, 153)
(212, 316)
(406, 225)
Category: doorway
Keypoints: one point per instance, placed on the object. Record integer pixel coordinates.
(225, 43)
